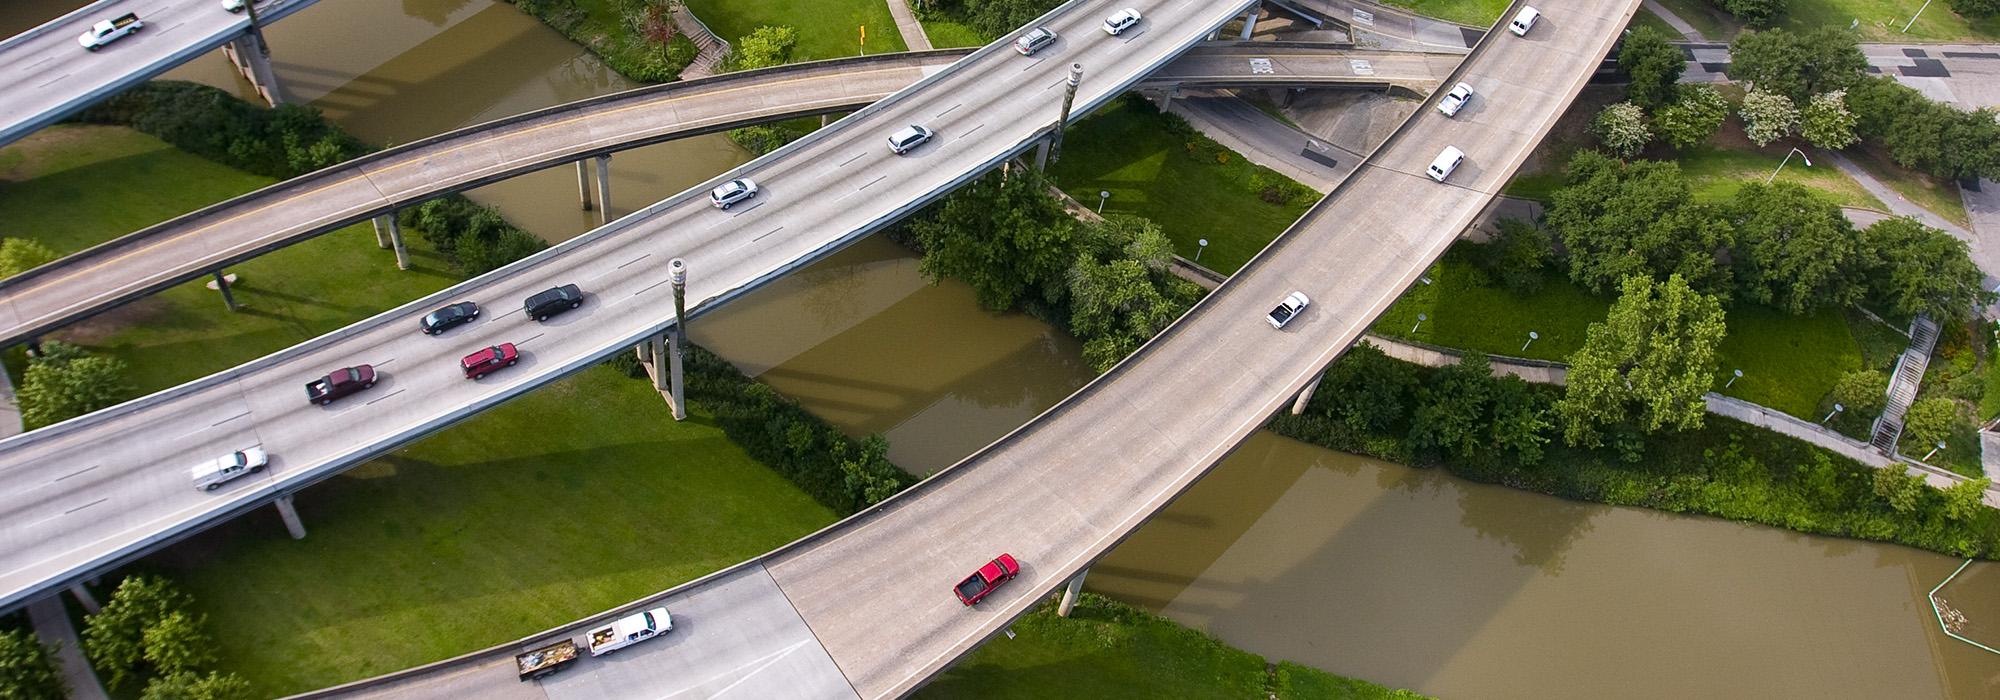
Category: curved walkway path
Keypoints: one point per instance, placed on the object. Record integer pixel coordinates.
(209, 239)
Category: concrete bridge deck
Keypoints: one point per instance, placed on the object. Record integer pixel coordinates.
(214, 237)
(1062, 490)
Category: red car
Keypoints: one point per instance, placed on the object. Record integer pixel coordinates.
(989, 577)
(484, 362)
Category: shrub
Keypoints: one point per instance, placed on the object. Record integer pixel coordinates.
(1517, 255)
(1862, 390)
(1757, 14)
(1768, 116)
(187, 685)
(1622, 129)
(18, 255)
(1930, 420)
(27, 671)
(1654, 65)
(1826, 123)
(284, 142)
(124, 635)
(1976, 9)
(1692, 118)
(64, 381)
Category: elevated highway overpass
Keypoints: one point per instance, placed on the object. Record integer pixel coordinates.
(82, 496)
(214, 237)
(48, 76)
(862, 608)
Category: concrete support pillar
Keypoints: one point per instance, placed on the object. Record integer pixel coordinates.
(253, 60)
(1290, 96)
(291, 516)
(657, 347)
(583, 184)
(396, 241)
(222, 285)
(1167, 98)
(1062, 122)
(644, 350)
(1042, 154)
(1306, 395)
(1217, 34)
(84, 598)
(825, 119)
(677, 268)
(1250, 23)
(604, 189)
(381, 232)
(1070, 592)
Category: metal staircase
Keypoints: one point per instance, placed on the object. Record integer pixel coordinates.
(1908, 375)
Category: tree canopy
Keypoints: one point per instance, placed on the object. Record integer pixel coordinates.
(65, 382)
(1654, 64)
(1923, 270)
(1647, 364)
(1794, 250)
(1622, 219)
(1797, 65)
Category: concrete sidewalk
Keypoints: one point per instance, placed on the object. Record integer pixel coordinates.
(907, 24)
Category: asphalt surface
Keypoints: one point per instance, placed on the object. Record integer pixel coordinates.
(83, 495)
(49, 76)
(1064, 489)
(215, 237)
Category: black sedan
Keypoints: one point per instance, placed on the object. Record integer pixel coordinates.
(443, 319)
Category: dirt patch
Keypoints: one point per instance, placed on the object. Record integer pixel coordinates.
(96, 330)
(29, 157)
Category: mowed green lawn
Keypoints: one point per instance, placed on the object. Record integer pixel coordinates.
(74, 186)
(576, 498)
(1478, 13)
(1883, 20)
(1108, 649)
(1789, 362)
(1126, 149)
(827, 28)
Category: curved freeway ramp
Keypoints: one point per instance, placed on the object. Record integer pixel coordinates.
(206, 240)
(50, 76)
(81, 496)
(864, 608)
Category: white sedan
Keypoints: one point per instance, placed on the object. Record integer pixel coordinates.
(1289, 309)
(1455, 100)
(733, 191)
(1120, 21)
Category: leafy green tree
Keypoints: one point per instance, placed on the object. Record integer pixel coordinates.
(1002, 235)
(176, 642)
(1451, 414)
(1768, 116)
(1965, 500)
(1521, 419)
(1797, 65)
(1976, 9)
(26, 670)
(1648, 363)
(65, 381)
(1826, 123)
(870, 475)
(1517, 255)
(1900, 490)
(1930, 420)
(1862, 390)
(763, 47)
(1693, 118)
(1115, 308)
(115, 638)
(1758, 14)
(1923, 270)
(1622, 219)
(1654, 64)
(18, 255)
(1929, 136)
(1622, 129)
(1366, 390)
(1794, 250)
(187, 685)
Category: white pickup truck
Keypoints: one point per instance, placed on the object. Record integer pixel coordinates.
(110, 30)
(629, 630)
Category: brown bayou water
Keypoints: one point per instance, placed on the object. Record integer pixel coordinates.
(1406, 577)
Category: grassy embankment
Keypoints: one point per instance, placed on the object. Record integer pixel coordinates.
(612, 30)
(827, 28)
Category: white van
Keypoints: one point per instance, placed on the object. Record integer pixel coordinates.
(1524, 21)
(1446, 162)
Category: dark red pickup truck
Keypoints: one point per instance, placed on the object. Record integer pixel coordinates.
(340, 382)
(989, 577)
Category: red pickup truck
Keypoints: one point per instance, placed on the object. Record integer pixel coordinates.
(340, 382)
(989, 577)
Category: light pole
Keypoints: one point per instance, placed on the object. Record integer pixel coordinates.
(1420, 322)
(1913, 18)
(1837, 408)
(678, 274)
(1788, 159)
(1201, 245)
(1069, 98)
(1940, 443)
(1101, 196)
(1532, 337)
(1736, 374)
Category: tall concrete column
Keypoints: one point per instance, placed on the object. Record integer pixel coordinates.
(291, 516)
(604, 189)
(583, 184)
(222, 285)
(656, 348)
(1306, 395)
(381, 231)
(1042, 154)
(1070, 593)
(825, 119)
(84, 598)
(396, 241)
(253, 60)
(1069, 99)
(1250, 23)
(678, 269)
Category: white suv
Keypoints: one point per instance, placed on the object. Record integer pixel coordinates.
(1120, 21)
(733, 191)
(908, 138)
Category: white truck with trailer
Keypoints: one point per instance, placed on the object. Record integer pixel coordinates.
(623, 632)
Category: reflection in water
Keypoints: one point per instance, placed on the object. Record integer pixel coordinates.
(1417, 579)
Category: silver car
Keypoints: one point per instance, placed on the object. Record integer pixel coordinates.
(733, 191)
(908, 138)
(1034, 40)
(212, 474)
